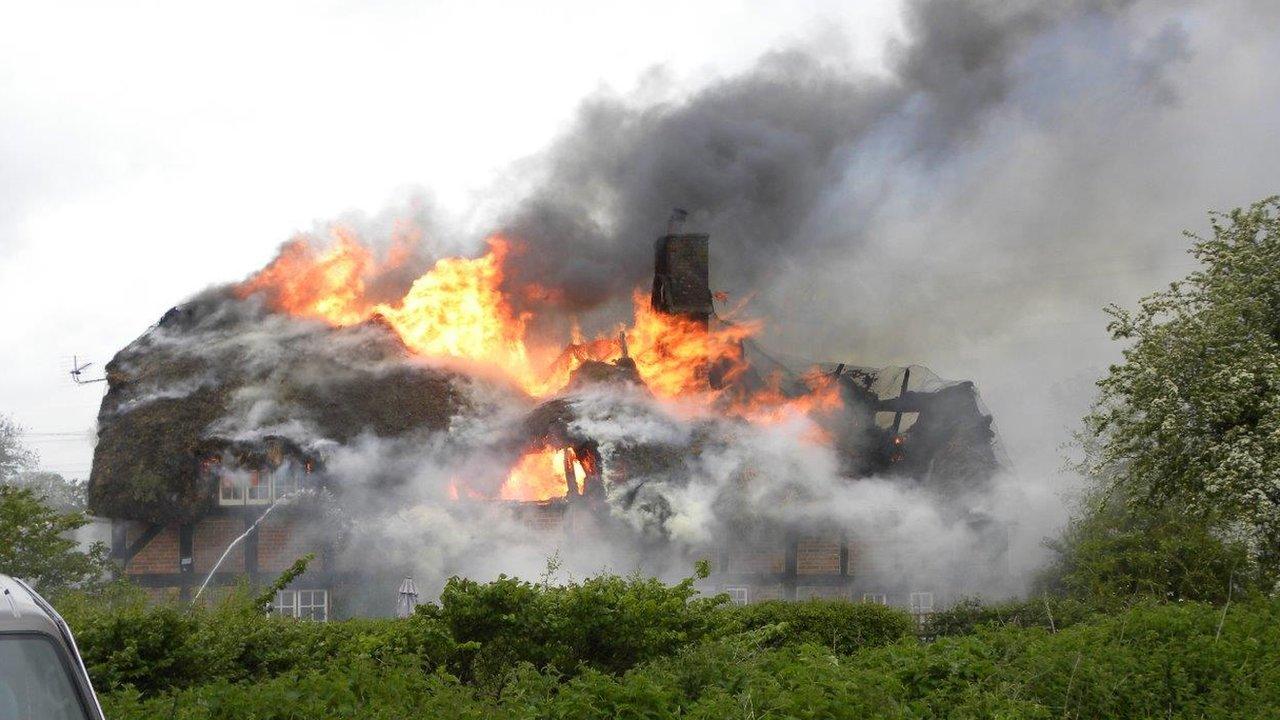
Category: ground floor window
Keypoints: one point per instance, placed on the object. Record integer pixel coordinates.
(737, 595)
(875, 598)
(921, 602)
(303, 604)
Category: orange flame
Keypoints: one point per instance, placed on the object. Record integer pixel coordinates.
(771, 405)
(327, 285)
(676, 355)
(540, 475)
(457, 309)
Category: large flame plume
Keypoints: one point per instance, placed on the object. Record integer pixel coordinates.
(459, 309)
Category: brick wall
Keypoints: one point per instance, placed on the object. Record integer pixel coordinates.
(158, 556)
(682, 263)
(818, 556)
(548, 517)
(211, 537)
(281, 541)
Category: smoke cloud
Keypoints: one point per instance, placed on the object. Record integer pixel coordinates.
(1016, 167)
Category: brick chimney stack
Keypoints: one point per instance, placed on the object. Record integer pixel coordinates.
(681, 276)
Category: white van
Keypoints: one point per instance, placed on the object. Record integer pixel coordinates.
(41, 674)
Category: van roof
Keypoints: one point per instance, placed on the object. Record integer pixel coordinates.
(20, 611)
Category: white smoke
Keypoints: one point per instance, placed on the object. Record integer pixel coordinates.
(727, 475)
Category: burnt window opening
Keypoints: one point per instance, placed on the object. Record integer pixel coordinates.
(582, 472)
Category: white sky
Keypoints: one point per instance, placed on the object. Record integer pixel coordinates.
(150, 149)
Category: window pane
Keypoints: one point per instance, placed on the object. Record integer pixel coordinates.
(284, 483)
(230, 490)
(287, 603)
(34, 684)
(259, 487)
(315, 606)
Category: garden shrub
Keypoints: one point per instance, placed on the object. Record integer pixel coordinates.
(1168, 661)
(1046, 612)
(606, 622)
(839, 625)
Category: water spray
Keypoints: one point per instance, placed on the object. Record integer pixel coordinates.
(235, 542)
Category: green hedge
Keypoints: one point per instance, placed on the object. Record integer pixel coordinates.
(1048, 613)
(607, 622)
(841, 626)
(478, 632)
(1150, 661)
(129, 643)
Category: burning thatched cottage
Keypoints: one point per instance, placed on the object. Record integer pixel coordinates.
(233, 430)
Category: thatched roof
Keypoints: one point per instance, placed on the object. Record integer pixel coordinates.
(218, 375)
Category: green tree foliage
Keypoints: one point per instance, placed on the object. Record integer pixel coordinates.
(1189, 423)
(14, 456)
(57, 491)
(1114, 554)
(38, 544)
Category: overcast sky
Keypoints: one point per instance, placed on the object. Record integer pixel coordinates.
(151, 150)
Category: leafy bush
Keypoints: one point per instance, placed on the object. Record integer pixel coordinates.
(478, 632)
(1112, 555)
(607, 622)
(129, 643)
(39, 545)
(842, 626)
(1046, 613)
(1175, 660)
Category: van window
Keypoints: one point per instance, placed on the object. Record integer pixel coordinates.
(34, 684)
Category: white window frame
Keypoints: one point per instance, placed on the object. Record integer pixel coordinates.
(286, 604)
(257, 490)
(875, 598)
(738, 595)
(313, 605)
(283, 484)
(303, 604)
(233, 489)
(918, 602)
(230, 492)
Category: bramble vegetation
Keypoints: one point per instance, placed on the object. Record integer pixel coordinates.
(524, 650)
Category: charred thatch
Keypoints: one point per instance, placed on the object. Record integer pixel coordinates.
(146, 463)
(218, 379)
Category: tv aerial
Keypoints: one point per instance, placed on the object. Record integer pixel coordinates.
(77, 372)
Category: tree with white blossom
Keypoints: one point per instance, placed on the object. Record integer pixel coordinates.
(1189, 422)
